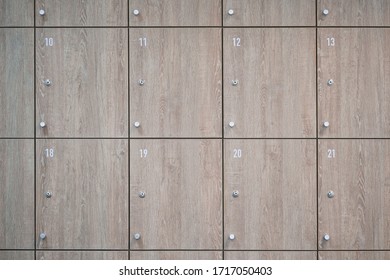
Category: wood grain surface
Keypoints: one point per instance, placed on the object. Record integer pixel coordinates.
(270, 255)
(356, 105)
(358, 217)
(82, 13)
(88, 180)
(16, 255)
(16, 194)
(176, 255)
(82, 255)
(354, 13)
(276, 206)
(175, 13)
(16, 82)
(16, 13)
(182, 180)
(276, 91)
(269, 13)
(182, 94)
(88, 96)
(354, 255)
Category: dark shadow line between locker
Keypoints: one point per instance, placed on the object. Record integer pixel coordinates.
(317, 201)
(17, 138)
(190, 138)
(35, 137)
(223, 137)
(128, 131)
(200, 27)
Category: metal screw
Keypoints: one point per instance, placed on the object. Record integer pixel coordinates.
(326, 237)
(42, 12)
(42, 124)
(137, 124)
(136, 12)
(234, 82)
(48, 194)
(141, 82)
(235, 194)
(231, 124)
(141, 194)
(42, 236)
(330, 82)
(47, 82)
(326, 124)
(232, 236)
(137, 236)
(230, 12)
(331, 194)
(325, 12)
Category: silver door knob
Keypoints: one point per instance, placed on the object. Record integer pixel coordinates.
(326, 124)
(141, 82)
(42, 12)
(330, 82)
(234, 82)
(137, 124)
(231, 124)
(136, 12)
(232, 236)
(326, 237)
(47, 82)
(48, 194)
(141, 194)
(137, 236)
(42, 236)
(330, 194)
(42, 124)
(325, 12)
(231, 12)
(235, 194)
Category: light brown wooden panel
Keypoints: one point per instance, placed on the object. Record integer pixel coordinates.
(354, 255)
(276, 206)
(82, 255)
(176, 255)
(16, 13)
(81, 13)
(269, 13)
(357, 104)
(270, 255)
(276, 91)
(88, 95)
(16, 255)
(182, 95)
(175, 13)
(358, 216)
(182, 208)
(16, 82)
(354, 12)
(16, 194)
(88, 180)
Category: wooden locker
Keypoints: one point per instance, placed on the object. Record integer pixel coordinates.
(269, 13)
(175, 255)
(82, 255)
(16, 13)
(175, 82)
(354, 255)
(269, 83)
(357, 63)
(82, 194)
(182, 183)
(353, 12)
(354, 194)
(16, 194)
(175, 13)
(270, 255)
(17, 82)
(275, 207)
(82, 82)
(81, 13)
(16, 255)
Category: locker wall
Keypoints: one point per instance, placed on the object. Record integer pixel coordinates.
(194, 129)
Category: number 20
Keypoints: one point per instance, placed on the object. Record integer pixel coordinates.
(237, 153)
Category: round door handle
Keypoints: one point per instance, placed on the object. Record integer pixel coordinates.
(141, 194)
(326, 124)
(325, 12)
(232, 124)
(137, 124)
(330, 194)
(326, 237)
(137, 236)
(48, 194)
(141, 82)
(42, 12)
(234, 82)
(136, 12)
(235, 194)
(330, 82)
(42, 124)
(42, 236)
(230, 12)
(232, 236)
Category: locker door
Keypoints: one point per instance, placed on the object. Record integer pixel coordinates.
(269, 13)
(16, 194)
(269, 82)
(175, 255)
(82, 82)
(354, 255)
(16, 13)
(175, 82)
(270, 195)
(353, 12)
(353, 79)
(16, 255)
(82, 194)
(270, 255)
(176, 194)
(16, 82)
(82, 255)
(175, 13)
(354, 184)
(81, 13)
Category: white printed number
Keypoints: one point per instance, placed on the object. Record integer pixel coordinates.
(49, 153)
(331, 42)
(237, 42)
(49, 42)
(237, 153)
(143, 152)
(142, 42)
(331, 153)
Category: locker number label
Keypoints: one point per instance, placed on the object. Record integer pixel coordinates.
(331, 153)
(143, 152)
(237, 153)
(49, 41)
(49, 153)
(142, 41)
(237, 42)
(331, 41)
